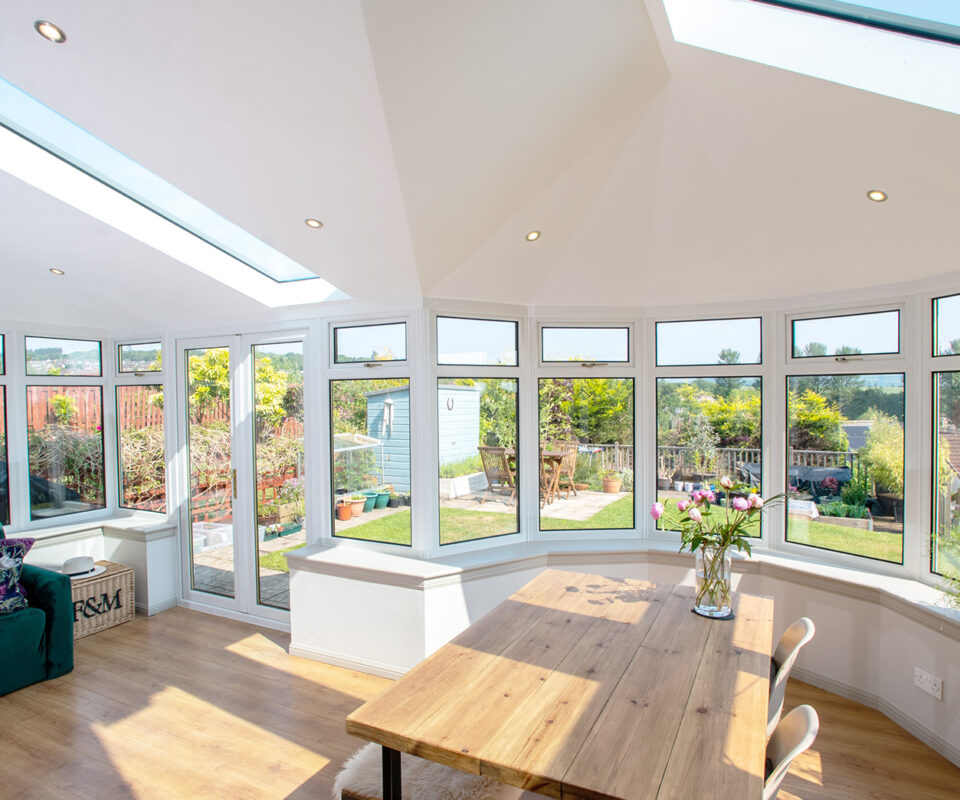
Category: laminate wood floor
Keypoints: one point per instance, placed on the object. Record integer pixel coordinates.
(187, 705)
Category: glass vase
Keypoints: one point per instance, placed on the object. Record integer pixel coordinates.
(713, 583)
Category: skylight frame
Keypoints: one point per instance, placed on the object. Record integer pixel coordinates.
(874, 18)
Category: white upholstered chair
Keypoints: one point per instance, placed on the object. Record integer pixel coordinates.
(794, 637)
(793, 735)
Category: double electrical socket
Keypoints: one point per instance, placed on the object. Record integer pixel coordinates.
(931, 684)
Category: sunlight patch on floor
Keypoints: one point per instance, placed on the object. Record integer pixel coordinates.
(226, 756)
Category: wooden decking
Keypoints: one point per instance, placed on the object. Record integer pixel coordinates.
(186, 705)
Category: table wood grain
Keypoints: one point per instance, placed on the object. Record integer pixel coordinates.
(581, 686)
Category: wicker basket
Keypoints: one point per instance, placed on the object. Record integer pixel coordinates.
(103, 601)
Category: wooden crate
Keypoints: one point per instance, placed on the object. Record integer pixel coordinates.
(103, 600)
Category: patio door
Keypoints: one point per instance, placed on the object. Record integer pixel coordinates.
(242, 451)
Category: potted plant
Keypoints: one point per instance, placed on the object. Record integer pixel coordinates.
(344, 510)
(612, 481)
(383, 497)
(663, 478)
(357, 502)
(370, 499)
(394, 501)
(710, 535)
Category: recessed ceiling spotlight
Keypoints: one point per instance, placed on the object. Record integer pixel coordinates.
(877, 196)
(313, 223)
(57, 271)
(533, 236)
(50, 32)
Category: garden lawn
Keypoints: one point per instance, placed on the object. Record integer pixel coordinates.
(276, 561)
(619, 514)
(856, 541)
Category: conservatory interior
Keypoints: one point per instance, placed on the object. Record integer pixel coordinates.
(352, 328)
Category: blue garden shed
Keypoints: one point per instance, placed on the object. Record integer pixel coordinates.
(388, 420)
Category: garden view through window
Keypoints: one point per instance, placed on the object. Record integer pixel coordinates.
(479, 485)
(3, 363)
(139, 357)
(845, 463)
(945, 552)
(209, 447)
(4, 479)
(707, 429)
(585, 344)
(874, 333)
(359, 343)
(52, 356)
(370, 421)
(476, 342)
(586, 459)
(142, 457)
(946, 326)
(65, 450)
(279, 456)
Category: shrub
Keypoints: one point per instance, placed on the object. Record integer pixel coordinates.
(883, 453)
(466, 466)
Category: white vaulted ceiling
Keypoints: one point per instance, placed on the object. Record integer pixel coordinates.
(431, 136)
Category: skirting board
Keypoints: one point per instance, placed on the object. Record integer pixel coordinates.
(905, 721)
(156, 608)
(336, 660)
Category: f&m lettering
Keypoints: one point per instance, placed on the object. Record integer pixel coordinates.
(92, 607)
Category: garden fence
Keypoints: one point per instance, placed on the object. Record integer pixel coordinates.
(670, 459)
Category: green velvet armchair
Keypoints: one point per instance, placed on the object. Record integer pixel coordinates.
(36, 643)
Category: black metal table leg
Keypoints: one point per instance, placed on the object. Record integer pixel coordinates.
(391, 774)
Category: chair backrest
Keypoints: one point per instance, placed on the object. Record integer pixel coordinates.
(793, 735)
(568, 463)
(494, 461)
(794, 637)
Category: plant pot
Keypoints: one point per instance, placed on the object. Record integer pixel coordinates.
(663, 483)
(344, 511)
(678, 486)
(371, 500)
(394, 502)
(688, 486)
(382, 499)
(405, 499)
(611, 485)
(356, 507)
(712, 596)
(580, 487)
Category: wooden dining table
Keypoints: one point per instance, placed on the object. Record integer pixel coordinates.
(583, 686)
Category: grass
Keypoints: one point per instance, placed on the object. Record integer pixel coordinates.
(619, 514)
(466, 466)
(276, 561)
(856, 541)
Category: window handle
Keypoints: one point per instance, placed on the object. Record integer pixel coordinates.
(233, 480)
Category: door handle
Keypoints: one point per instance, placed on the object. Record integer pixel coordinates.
(233, 481)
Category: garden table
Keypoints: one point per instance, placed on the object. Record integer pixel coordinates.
(580, 686)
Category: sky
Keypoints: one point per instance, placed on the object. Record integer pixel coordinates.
(700, 341)
(869, 333)
(934, 10)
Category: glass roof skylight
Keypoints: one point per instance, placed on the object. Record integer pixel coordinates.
(32, 120)
(932, 19)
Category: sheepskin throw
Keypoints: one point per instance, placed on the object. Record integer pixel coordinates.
(421, 779)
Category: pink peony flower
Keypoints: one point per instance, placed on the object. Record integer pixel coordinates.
(682, 505)
(709, 496)
(694, 514)
(726, 483)
(740, 504)
(755, 500)
(656, 510)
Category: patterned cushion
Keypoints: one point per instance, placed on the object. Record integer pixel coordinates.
(12, 552)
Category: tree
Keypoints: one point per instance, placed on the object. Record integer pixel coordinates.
(725, 386)
(814, 349)
(735, 418)
(556, 399)
(498, 413)
(815, 423)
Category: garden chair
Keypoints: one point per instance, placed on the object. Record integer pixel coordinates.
(568, 466)
(548, 479)
(499, 475)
